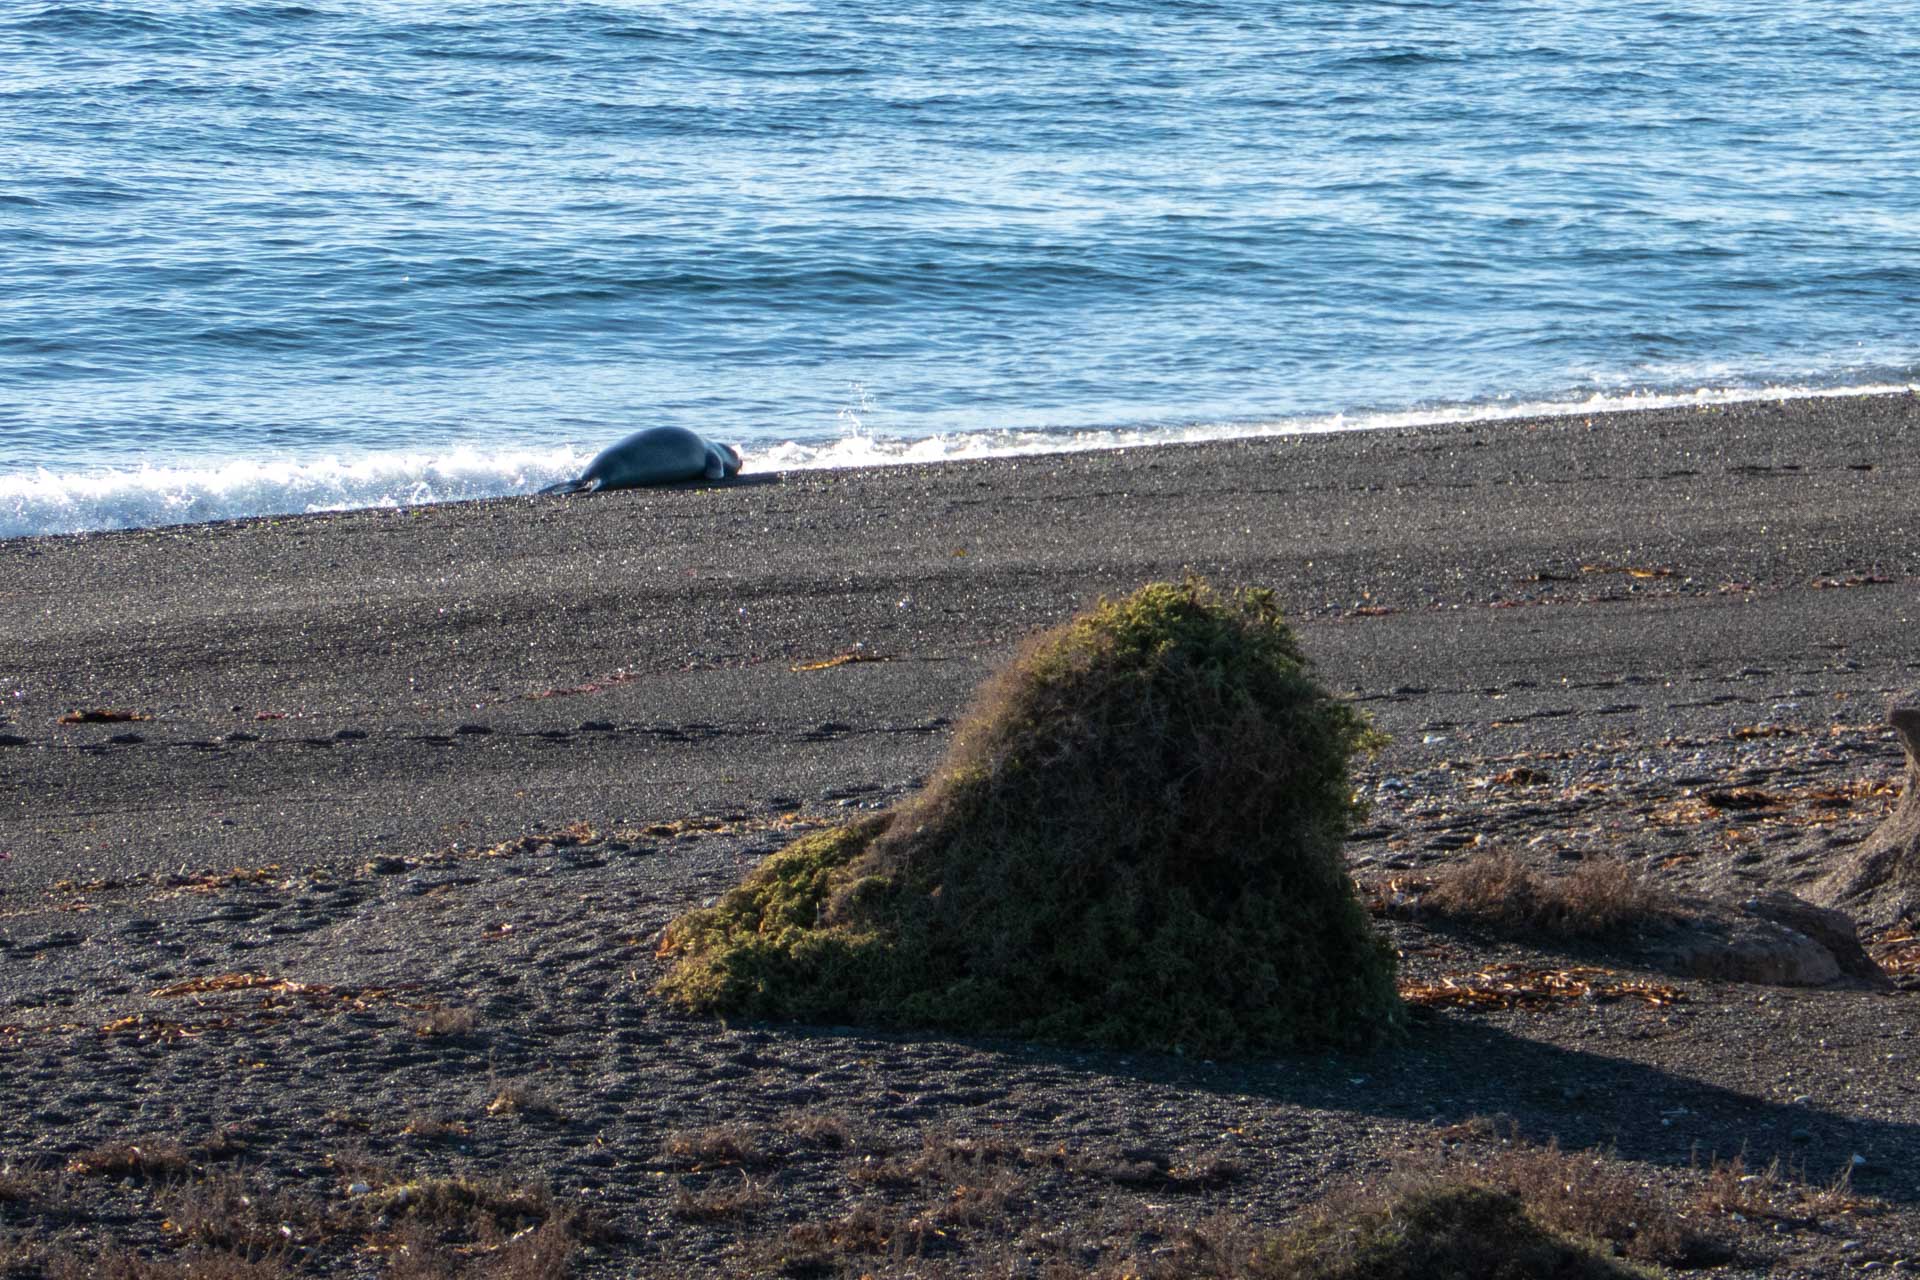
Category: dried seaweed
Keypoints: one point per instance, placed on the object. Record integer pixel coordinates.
(841, 660)
(1514, 986)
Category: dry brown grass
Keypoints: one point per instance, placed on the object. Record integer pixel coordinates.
(1770, 1195)
(980, 1206)
(1499, 892)
(878, 1169)
(125, 1264)
(1219, 1248)
(151, 1159)
(441, 1022)
(1587, 1195)
(946, 1202)
(523, 1098)
(958, 1197)
(876, 1238)
(357, 1164)
(830, 1130)
(22, 1182)
(470, 1205)
(1155, 1171)
(718, 1145)
(444, 1228)
(435, 1126)
(1489, 1201)
(539, 1254)
(536, 1253)
(864, 1229)
(947, 1158)
(350, 1119)
(222, 1213)
(727, 1196)
(989, 1197)
(222, 1226)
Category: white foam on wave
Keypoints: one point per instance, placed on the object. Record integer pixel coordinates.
(863, 450)
(46, 502)
(43, 502)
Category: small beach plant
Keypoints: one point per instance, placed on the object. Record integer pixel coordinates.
(1447, 1230)
(1133, 841)
(1497, 891)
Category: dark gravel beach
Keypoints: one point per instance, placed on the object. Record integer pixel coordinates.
(431, 781)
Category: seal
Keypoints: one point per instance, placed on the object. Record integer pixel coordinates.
(658, 455)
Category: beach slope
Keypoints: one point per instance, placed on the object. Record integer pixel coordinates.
(473, 757)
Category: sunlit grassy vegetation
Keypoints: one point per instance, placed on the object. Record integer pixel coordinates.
(1134, 841)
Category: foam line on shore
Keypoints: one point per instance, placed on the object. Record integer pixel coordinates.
(860, 450)
(46, 502)
(43, 502)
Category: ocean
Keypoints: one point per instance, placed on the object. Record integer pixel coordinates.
(280, 257)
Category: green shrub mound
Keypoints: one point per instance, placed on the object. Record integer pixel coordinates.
(1447, 1232)
(1134, 841)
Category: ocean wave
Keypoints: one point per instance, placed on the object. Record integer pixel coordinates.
(41, 502)
(858, 449)
(381, 227)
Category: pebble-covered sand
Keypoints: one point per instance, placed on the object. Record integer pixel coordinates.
(334, 850)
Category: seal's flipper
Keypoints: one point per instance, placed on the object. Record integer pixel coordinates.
(580, 485)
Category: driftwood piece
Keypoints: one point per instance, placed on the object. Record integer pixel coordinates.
(1878, 882)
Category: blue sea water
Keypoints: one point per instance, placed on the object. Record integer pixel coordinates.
(270, 257)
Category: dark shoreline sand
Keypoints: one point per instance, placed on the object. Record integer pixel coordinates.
(352, 707)
(687, 611)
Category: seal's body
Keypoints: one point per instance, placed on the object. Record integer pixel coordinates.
(658, 455)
